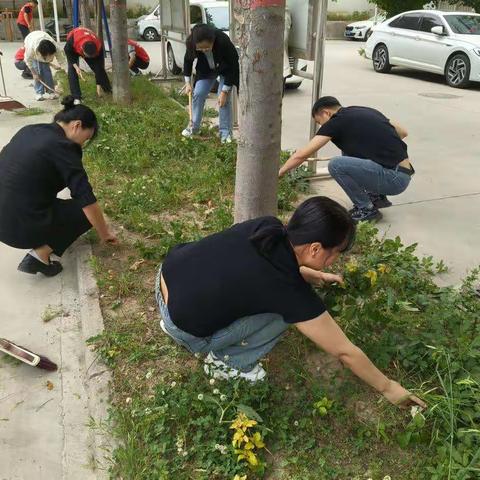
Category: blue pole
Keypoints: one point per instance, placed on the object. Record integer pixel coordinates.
(75, 13)
(107, 30)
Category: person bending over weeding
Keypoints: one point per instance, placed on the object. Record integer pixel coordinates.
(217, 58)
(40, 50)
(25, 21)
(138, 58)
(21, 65)
(374, 161)
(82, 42)
(38, 162)
(233, 294)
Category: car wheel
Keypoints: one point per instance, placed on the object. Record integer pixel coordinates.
(150, 34)
(293, 86)
(171, 64)
(457, 71)
(380, 59)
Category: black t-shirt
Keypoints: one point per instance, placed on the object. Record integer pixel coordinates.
(221, 278)
(37, 163)
(364, 132)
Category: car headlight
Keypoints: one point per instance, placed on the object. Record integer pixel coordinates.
(477, 51)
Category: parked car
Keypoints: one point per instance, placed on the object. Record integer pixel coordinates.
(447, 43)
(148, 26)
(363, 29)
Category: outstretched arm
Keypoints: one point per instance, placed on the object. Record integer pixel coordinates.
(325, 332)
(302, 154)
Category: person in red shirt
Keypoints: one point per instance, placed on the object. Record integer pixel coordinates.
(21, 65)
(138, 58)
(82, 42)
(25, 18)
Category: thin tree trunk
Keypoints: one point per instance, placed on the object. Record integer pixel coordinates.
(85, 13)
(67, 9)
(260, 37)
(98, 19)
(121, 75)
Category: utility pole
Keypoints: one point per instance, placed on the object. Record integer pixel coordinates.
(260, 38)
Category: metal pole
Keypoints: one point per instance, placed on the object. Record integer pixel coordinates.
(75, 13)
(164, 55)
(233, 92)
(55, 16)
(107, 29)
(40, 16)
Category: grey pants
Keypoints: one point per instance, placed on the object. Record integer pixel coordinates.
(240, 345)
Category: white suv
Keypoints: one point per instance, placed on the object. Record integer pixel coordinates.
(447, 43)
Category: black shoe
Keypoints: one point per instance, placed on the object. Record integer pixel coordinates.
(380, 201)
(366, 215)
(31, 265)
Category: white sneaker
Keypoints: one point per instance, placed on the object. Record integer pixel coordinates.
(51, 96)
(188, 132)
(220, 370)
(227, 139)
(77, 101)
(39, 98)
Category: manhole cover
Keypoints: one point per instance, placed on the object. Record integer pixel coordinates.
(440, 95)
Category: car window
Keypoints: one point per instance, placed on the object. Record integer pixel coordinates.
(195, 14)
(464, 24)
(156, 12)
(218, 16)
(428, 22)
(410, 21)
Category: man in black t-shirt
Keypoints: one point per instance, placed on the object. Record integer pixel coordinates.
(374, 161)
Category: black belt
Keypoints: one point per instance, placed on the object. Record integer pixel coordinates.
(409, 171)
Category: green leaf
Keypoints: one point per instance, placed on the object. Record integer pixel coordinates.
(249, 412)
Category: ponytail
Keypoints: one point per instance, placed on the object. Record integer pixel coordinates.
(72, 112)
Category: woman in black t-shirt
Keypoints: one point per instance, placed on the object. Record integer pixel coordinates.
(37, 163)
(233, 294)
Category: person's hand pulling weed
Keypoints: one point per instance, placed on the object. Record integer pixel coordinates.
(401, 397)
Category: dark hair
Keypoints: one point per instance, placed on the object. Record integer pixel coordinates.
(46, 47)
(200, 33)
(72, 112)
(324, 102)
(90, 49)
(318, 219)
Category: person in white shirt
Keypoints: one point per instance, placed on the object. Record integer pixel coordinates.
(40, 51)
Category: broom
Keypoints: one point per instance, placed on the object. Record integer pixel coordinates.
(26, 356)
(6, 102)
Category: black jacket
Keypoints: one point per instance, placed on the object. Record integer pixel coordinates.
(226, 60)
(35, 165)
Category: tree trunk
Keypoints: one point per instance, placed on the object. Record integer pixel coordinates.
(67, 9)
(121, 75)
(85, 13)
(98, 19)
(260, 26)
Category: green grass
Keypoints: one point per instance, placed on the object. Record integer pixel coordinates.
(317, 420)
(29, 112)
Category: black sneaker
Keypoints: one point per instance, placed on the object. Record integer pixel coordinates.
(366, 215)
(380, 201)
(31, 265)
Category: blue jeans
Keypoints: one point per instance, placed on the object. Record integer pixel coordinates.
(240, 345)
(358, 177)
(200, 94)
(44, 72)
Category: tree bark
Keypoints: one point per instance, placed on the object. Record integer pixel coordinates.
(121, 75)
(98, 19)
(259, 29)
(85, 13)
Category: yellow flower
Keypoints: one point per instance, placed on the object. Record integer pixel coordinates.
(257, 440)
(382, 268)
(242, 422)
(351, 267)
(238, 477)
(372, 275)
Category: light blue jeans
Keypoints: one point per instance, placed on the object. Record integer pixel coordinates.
(358, 177)
(240, 345)
(200, 94)
(44, 72)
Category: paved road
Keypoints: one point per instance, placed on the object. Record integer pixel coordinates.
(44, 416)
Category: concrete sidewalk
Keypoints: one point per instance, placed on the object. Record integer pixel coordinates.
(45, 416)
